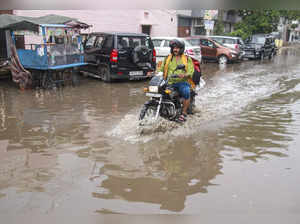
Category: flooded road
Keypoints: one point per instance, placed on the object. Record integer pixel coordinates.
(78, 154)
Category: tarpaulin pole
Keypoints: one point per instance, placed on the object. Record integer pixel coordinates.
(45, 42)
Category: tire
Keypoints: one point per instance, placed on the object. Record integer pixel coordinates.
(261, 57)
(141, 54)
(75, 78)
(147, 111)
(271, 55)
(106, 76)
(223, 59)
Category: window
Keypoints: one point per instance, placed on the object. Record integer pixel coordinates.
(108, 43)
(240, 41)
(199, 30)
(218, 39)
(204, 42)
(229, 41)
(90, 41)
(132, 42)
(167, 43)
(210, 44)
(146, 29)
(194, 42)
(99, 41)
(156, 43)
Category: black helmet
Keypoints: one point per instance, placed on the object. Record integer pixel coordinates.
(177, 43)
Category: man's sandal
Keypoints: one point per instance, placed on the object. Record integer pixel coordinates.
(181, 118)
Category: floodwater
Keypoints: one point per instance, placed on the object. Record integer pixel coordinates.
(78, 155)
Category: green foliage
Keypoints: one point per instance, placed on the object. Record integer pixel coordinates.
(256, 21)
(290, 14)
(294, 26)
(219, 28)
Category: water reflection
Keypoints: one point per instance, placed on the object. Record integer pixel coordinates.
(263, 130)
(164, 174)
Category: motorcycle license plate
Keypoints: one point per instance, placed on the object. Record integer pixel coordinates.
(135, 73)
(153, 94)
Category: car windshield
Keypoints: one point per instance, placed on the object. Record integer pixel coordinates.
(257, 40)
(187, 44)
(194, 42)
(240, 41)
(132, 42)
(219, 43)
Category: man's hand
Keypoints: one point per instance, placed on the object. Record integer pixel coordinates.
(181, 76)
(149, 73)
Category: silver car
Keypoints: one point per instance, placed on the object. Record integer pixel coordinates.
(162, 48)
(232, 42)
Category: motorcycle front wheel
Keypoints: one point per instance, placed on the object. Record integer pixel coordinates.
(147, 112)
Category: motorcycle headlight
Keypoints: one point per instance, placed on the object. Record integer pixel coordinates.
(153, 89)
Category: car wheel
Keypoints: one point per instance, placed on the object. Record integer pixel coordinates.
(271, 55)
(106, 77)
(262, 56)
(223, 59)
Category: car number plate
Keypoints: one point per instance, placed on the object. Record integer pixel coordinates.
(135, 73)
(153, 94)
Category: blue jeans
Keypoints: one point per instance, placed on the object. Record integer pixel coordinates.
(183, 88)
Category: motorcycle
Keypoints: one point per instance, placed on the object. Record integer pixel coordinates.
(165, 100)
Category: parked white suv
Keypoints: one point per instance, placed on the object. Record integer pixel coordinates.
(232, 42)
(162, 48)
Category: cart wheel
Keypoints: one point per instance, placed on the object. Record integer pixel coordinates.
(75, 77)
(47, 82)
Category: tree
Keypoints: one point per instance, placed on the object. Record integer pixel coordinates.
(256, 21)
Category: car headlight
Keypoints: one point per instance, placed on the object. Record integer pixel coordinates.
(153, 89)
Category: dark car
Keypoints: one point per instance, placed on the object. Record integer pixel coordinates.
(259, 46)
(115, 55)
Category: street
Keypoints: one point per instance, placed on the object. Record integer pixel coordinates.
(78, 154)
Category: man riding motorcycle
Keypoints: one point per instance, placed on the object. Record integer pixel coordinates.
(184, 81)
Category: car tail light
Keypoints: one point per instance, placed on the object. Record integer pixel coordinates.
(190, 52)
(114, 55)
(154, 55)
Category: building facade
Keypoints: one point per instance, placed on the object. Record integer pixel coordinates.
(153, 22)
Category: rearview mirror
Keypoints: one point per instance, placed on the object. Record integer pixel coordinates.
(181, 67)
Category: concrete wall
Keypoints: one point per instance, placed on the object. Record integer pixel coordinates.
(163, 22)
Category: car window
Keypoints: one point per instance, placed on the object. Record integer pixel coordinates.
(194, 42)
(229, 41)
(218, 39)
(108, 43)
(166, 43)
(132, 42)
(240, 41)
(204, 42)
(156, 43)
(187, 44)
(210, 44)
(99, 41)
(259, 40)
(90, 42)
